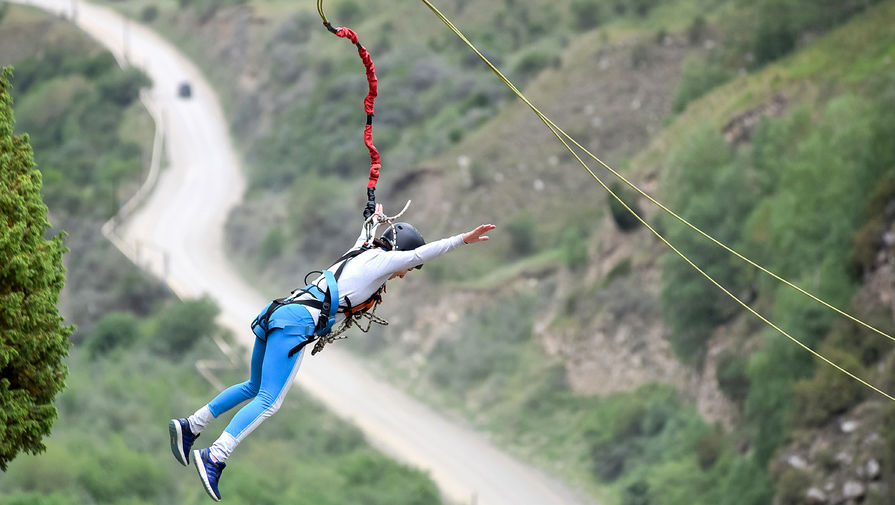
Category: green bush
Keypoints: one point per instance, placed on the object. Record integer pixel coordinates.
(710, 447)
(769, 400)
(609, 459)
(522, 235)
(780, 23)
(746, 482)
(623, 218)
(830, 392)
(574, 247)
(534, 61)
(732, 376)
(697, 29)
(149, 13)
(183, 324)
(123, 87)
(698, 77)
(791, 485)
(710, 188)
(115, 329)
(587, 14)
(272, 245)
(636, 493)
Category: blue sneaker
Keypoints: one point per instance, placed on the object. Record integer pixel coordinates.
(209, 472)
(182, 439)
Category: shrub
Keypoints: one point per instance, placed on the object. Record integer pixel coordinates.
(709, 447)
(712, 191)
(697, 29)
(636, 493)
(770, 394)
(623, 218)
(732, 377)
(775, 33)
(791, 485)
(533, 61)
(522, 234)
(586, 14)
(149, 13)
(698, 77)
(574, 248)
(746, 483)
(123, 87)
(272, 245)
(829, 392)
(609, 459)
(181, 325)
(868, 240)
(115, 329)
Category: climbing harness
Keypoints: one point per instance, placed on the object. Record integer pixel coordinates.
(327, 300)
(566, 139)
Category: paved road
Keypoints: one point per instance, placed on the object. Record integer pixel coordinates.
(177, 233)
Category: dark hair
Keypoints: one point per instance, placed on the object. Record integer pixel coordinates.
(378, 242)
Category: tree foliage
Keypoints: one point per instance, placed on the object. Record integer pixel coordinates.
(33, 338)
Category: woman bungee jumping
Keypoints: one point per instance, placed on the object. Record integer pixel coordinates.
(287, 325)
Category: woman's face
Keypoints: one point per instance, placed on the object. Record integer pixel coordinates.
(400, 273)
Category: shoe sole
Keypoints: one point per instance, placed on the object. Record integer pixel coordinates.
(177, 442)
(203, 476)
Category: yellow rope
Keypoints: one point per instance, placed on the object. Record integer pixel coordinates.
(320, 11)
(559, 134)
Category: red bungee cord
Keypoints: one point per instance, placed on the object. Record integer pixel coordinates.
(369, 102)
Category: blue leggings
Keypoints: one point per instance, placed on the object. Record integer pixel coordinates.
(271, 375)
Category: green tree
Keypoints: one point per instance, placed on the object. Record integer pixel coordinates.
(183, 324)
(115, 329)
(33, 340)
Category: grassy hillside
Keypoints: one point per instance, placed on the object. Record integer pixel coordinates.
(573, 337)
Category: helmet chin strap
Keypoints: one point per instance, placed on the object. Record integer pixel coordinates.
(372, 223)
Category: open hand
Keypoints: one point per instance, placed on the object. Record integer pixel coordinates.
(478, 234)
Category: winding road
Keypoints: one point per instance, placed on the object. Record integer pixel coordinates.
(177, 233)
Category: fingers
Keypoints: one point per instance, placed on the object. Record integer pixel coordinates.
(485, 228)
(478, 234)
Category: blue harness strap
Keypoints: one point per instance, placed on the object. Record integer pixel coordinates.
(327, 302)
(330, 303)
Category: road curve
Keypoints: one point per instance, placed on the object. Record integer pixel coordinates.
(177, 233)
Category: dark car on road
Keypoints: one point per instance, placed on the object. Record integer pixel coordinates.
(184, 90)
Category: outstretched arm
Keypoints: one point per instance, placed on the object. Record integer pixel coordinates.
(394, 261)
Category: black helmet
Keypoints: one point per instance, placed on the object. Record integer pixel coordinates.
(402, 237)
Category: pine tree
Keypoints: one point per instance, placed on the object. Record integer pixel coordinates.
(33, 339)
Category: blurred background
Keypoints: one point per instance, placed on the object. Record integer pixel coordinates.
(575, 340)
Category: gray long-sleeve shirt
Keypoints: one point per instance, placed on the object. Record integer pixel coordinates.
(366, 272)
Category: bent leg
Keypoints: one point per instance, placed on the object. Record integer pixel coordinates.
(238, 393)
(277, 376)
